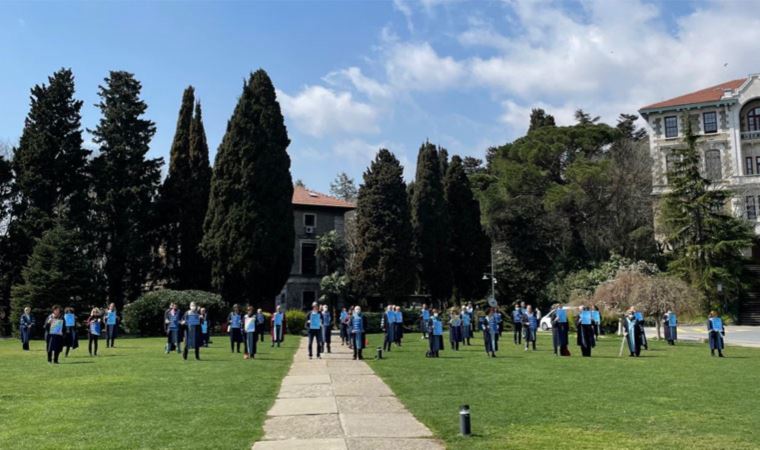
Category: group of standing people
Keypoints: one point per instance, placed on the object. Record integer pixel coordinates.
(61, 330)
(249, 329)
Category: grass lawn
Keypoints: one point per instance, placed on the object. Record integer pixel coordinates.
(135, 396)
(671, 397)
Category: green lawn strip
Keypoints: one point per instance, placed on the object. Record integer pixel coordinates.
(135, 396)
(676, 397)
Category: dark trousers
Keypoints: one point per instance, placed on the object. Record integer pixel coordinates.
(25, 335)
(586, 351)
(387, 341)
(92, 344)
(197, 351)
(55, 344)
(518, 333)
(110, 335)
(315, 335)
(172, 341)
(261, 335)
(357, 339)
(277, 335)
(235, 338)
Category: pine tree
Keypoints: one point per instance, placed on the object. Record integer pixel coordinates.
(344, 187)
(470, 247)
(59, 271)
(384, 232)
(706, 241)
(430, 222)
(50, 172)
(196, 271)
(539, 118)
(249, 227)
(125, 185)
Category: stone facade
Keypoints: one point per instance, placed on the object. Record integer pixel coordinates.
(730, 152)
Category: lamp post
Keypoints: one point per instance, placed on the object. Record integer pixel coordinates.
(719, 288)
(492, 277)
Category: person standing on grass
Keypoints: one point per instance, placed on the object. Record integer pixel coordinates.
(632, 331)
(499, 320)
(435, 331)
(54, 325)
(26, 323)
(314, 325)
(94, 329)
(596, 317)
(326, 329)
(530, 326)
(277, 326)
(424, 319)
(560, 331)
(260, 320)
(235, 328)
(343, 322)
(466, 327)
(584, 325)
(398, 325)
(640, 318)
(517, 324)
(112, 325)
(192, 323)
(205, 327)
(251, 338)
(490, 333)
(70, 340)
(469, 310)
(670, 325)
(358, 326)
(455, 329)
(386, 323)
(172, 318)
(716, 332)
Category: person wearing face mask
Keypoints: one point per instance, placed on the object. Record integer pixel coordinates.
(326, 329)
(632, 332)
(560, 331)
(585, 326)
(314, 325)
(716, 332)
(455, 329)
(530, 326)
(435, 331)
(490, 328)
(235, 327)
(670, 325)
(517, 324)
(278, 326)
(192, 323)
(466, 327)
(386, 323)
(358, 327)
(398, 325)
(251, 338)
(172, 318)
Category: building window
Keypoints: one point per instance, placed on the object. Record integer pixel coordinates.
(757, 163)
(671, 127)
(753, 119)
(308, 298)
(310, 220)
(750, 206)
(710, 122)
(308, 258)
(748, 166)
(712, 165)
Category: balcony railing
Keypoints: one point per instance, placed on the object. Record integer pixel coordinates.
(751, 134)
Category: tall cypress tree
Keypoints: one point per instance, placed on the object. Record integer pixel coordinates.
(249, 226)
(184, 198)
(125, 184)
(430, 221)
(50, 172)
(470, 247)
(384, 244)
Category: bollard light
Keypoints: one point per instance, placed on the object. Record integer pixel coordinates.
(465, 428)
(379, 353)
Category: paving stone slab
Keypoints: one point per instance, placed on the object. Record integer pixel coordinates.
(383, 425)
(301, 406)
(301, 444)
(361, 386)
(393, 444)
(306, 391)
(306, 379)
(303, 427)
(369, 405)
(349, 369)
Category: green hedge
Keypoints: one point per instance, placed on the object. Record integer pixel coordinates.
(295, 321)
(145, 316)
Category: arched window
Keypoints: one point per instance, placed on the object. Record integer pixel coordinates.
(753, 119)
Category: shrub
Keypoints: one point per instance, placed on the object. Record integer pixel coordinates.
(145, 316)
(296, 321)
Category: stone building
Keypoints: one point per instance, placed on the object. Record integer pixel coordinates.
(314, 215)
(726, 117)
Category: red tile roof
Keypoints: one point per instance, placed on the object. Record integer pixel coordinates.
(307, 197)
(711, 94)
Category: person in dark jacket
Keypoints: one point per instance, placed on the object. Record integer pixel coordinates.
(716, 332)
(560, 330)
(530, 327)
(54, 325)
(26, 323)
(191, 321)
(632, 331)
(584, 324)
(670, 325)
(172, 328)
(517, 324)
(235, 327)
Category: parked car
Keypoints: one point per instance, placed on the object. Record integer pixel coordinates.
(546, 322)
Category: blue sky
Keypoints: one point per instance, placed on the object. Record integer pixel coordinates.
(355, 76)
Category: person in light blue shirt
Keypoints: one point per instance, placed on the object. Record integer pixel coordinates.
(398, 325)
(517, 324)
(112, 325)
(235, 327)
(530, 327)
(466, 327)
(192, 323)
(172, 318)
(424, 319)
(358, 325)
(435, 331)
(326, 329)
(344, 322)
(278, 326)
(670, 325)
(386, 323)
(640, 318)
(260, 321)
(314, 326)
(70, 339)
(716, 332)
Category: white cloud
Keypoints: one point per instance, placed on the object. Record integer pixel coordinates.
(319, 112)
(404, 8)
(417, 66)
(367, 86)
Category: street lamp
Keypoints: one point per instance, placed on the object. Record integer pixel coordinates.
(492, 277)
(719, 288)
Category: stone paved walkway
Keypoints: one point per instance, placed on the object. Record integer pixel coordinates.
(337, 403)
